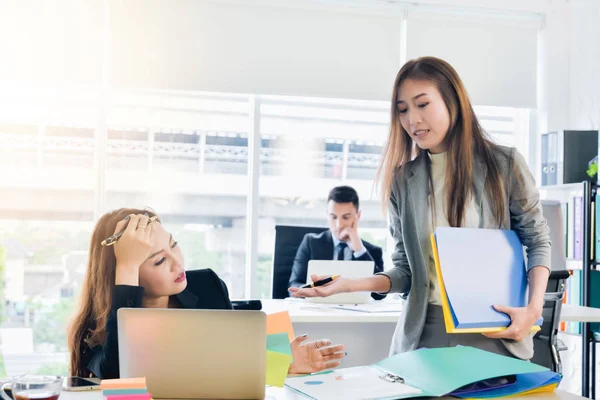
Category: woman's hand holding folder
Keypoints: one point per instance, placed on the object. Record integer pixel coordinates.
(522, 319)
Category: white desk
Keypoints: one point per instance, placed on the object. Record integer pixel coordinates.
(354, 329)
(286, 394)
(367, 337)
(571, 313)
(315, 312)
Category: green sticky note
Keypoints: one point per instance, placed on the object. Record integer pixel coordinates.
(277, 368)
(279, 343)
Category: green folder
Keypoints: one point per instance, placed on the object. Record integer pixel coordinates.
(441, 371)
(431, 373)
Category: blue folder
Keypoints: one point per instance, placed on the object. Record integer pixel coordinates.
(481, 268)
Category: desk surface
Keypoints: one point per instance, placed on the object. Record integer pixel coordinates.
(304, 311)
(571, 313)
(286, 394)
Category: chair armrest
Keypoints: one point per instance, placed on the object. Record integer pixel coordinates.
(560, 345)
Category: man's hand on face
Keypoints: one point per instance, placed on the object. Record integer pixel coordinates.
(350, 235)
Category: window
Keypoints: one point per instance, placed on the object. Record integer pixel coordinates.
(185, 155)
(46, 220)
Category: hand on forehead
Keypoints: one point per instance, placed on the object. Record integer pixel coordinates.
(160, 237)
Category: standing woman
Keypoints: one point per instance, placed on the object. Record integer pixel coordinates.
(439, 168)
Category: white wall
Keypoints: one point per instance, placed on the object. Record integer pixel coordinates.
(570, 96)
(584, 65)
(245, 47)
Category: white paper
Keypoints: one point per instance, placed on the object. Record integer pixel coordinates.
(356, 383)
(372, 307)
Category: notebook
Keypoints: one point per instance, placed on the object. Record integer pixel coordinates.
(464, 372)
(477, 268)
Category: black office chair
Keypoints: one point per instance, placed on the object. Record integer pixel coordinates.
(545, 342)
(287, 241)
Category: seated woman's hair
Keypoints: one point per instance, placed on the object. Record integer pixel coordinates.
(88, 328)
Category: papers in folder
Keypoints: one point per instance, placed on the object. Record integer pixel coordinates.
(476, 269)
(463, 372)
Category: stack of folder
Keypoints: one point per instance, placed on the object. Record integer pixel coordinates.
(279, 352)
(477, 269)
(125, 389)
(463, 372)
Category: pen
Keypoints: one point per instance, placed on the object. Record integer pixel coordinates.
(321, 282)
(109, 241)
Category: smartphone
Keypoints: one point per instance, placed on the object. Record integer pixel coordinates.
(76, 384)
(247, 305)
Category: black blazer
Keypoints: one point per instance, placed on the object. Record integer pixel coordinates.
(320, 247)
(205, 290)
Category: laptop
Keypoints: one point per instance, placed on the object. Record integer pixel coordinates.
(194, 354)
(348, 269)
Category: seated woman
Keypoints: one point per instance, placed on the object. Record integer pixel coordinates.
(145, 268)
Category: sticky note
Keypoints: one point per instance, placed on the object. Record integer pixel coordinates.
(280, 322)
(279, 343)
(145, 396)
(113, 392)
(126, 383)
(277, 368)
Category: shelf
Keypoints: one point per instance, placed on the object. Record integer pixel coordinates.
(574, 264)
(564, 187)
(577, 265)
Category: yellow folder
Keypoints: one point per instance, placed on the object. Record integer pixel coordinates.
(448, 320)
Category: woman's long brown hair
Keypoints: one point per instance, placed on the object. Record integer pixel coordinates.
(88, 328)
(466, 140)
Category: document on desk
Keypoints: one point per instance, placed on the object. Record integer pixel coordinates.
(371, 308)
(356, 383)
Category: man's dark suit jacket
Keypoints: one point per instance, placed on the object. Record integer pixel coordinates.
(319, 246)
(204, 290)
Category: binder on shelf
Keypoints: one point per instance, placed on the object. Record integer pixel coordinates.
(565, 215)
(477, 269)
(571, 228)
(565, 156)
(596, 235)
(578, 228)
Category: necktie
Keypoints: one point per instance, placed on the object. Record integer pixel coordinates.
(341, 246)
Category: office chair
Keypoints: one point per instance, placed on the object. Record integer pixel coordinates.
(287, 241)
(545, 342)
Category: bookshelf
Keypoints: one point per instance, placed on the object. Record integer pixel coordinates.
(580, 224)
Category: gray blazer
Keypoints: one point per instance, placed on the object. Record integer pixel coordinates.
(408, 208)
